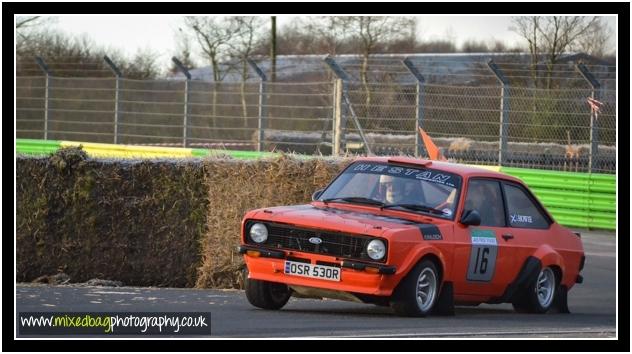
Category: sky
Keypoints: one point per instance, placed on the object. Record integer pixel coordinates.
(158, 33)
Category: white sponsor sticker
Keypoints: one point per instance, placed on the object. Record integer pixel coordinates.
(521, 218)
(477, 240)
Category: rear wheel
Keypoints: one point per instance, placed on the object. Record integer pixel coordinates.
(418, 292)
(266, 295)
(540, 293)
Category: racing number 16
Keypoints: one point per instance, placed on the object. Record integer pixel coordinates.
(480, 266)
(482, 260)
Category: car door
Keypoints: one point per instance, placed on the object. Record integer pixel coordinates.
(526, 220)
(483, 261)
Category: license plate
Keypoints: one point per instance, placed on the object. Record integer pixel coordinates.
(312, 271)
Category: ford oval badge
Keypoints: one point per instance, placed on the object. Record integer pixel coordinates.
(315, 240)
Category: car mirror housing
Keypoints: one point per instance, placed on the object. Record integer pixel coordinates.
(471, 217)
(317, 194)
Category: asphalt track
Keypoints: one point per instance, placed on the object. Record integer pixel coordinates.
(592, 305)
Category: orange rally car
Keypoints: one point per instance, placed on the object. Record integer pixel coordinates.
(414, 234)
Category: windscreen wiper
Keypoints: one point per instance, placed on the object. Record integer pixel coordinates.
(416, 207)
(359, 200)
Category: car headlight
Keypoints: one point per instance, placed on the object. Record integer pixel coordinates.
(376, 249)
(259, 233)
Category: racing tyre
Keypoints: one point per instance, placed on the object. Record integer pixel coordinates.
(266, 295)
(540, 293)
(417, 294)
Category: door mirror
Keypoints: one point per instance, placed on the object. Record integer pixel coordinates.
(317, 194)
(471, 217)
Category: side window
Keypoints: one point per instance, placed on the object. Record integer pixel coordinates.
(486, 198)
(522, 211)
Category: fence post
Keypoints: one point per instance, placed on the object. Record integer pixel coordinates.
(334, 112)
(186, 73)
(504, 111)
(340, 121)
(594, 128)
(340, 73)
(419, 113)
(40, 62)
(337, 130)
(117, 73)
(263, 104)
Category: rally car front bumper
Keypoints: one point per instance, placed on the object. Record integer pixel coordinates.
(356, 277)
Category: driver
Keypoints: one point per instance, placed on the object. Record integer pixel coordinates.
(397, 190)
(484, 198)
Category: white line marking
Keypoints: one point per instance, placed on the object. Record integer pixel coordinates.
(476, 334)
(601, 254)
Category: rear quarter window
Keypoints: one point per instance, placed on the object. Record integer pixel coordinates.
(522, 211)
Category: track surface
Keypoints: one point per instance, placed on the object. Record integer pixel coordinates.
(592, 305)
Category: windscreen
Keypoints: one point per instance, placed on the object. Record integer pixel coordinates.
(433, 192)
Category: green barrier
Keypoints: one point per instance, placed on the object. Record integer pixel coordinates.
(45, 147)
(36, 146)
(583, 207)
(602, 197)
(586, 223)
(564, 180)
(199, 152)
(574, 199)
(237, 154)
(580, 200)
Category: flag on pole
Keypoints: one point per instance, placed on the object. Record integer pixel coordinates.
(595, 105)
(433, 151)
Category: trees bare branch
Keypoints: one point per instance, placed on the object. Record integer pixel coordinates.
(549, 37)
(22, 22)
(213, 35)
(372, 30)
(247, 37)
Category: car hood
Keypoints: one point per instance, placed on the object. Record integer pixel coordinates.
(337, 219)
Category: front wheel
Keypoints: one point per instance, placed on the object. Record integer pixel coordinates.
(266, 295)
(418, 292)
(540, 294)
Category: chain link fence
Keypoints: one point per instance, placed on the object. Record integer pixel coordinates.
(462, 104)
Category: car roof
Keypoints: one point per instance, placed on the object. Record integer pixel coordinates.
(456, 168)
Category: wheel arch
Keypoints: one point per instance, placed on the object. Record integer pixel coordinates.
(544, 257)
(437, 261)
(405, 299)
(551, 258)
(426, 253)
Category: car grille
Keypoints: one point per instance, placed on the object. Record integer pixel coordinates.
(333, 243)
